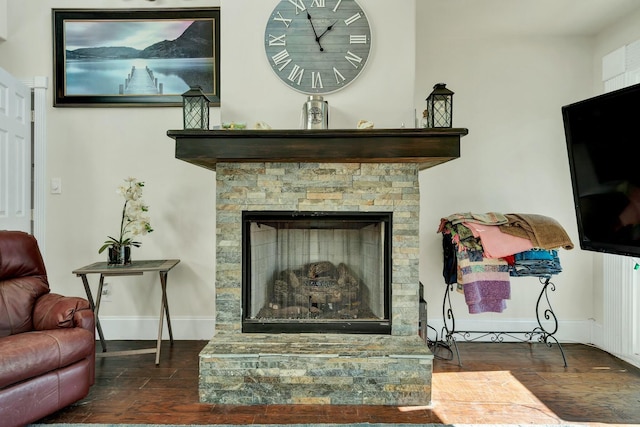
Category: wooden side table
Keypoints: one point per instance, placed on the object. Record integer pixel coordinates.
(136, 268)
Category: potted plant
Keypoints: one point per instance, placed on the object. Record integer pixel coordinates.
(134, 222)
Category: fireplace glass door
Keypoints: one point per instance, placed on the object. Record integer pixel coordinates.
(325, 272)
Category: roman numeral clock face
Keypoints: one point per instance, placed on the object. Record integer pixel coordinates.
(317, 46)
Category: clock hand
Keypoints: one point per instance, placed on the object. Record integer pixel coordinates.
(314, 31)
(329, 28)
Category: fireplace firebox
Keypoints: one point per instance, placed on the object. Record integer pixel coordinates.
(316, 272)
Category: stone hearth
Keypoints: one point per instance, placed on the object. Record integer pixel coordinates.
(321, 171)
(333, 369)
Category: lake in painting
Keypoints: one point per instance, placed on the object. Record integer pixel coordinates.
(105, 76)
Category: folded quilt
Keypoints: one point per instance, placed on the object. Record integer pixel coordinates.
(536, 262)
(485, 281)
(543, 231)
(485, 218)
(462, 236)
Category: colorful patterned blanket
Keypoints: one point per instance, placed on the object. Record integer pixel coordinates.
(484, 281)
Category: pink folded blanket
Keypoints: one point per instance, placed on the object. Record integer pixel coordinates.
(495, 243)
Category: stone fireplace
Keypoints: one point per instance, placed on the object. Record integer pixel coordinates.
(339, 175)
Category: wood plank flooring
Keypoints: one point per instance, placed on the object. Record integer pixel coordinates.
(497, 383)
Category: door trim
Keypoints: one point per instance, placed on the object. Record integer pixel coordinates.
(39, 86)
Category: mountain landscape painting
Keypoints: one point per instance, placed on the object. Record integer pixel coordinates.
(139, 59)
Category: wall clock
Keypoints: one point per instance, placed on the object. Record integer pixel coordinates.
(317, 46)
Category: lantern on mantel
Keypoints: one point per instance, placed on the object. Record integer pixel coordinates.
(195, 109)
(439, 111)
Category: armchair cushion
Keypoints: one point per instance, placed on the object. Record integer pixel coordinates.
(18, 259)
(24, 280)
(30, 354)
(64, 334)
(17, 299)
(53, 311)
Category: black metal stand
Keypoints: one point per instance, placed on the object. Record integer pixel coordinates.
(540, 333)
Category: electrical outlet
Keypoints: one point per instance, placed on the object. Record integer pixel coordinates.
(106, 292)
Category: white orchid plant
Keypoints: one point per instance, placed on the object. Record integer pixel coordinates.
(135, 220)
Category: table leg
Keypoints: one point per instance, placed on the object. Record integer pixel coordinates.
(164, 308)
(87, 289)
(163, 281)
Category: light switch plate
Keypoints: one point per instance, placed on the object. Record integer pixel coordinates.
(56, 186)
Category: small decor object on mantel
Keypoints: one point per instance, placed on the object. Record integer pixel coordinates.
(134, 222)
(261, 126)
(234, 125)
(315, 113)
(439, 112)
(364, 124)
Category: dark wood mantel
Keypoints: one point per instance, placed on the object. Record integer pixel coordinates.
(428, 147)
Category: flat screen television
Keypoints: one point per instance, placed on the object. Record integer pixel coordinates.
(603, 143)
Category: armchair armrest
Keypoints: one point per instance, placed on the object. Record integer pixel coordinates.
(53, 311)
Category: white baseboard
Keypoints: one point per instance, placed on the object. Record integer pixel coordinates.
(146, 328)
(597, 334)
(568, 331)
(597, 339)
(203, 328)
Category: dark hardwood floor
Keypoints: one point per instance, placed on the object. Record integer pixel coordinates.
(498, 383)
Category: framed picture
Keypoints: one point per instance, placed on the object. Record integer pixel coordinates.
(124, 58)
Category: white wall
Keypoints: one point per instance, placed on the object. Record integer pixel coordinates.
(383, 93)
(3, 20)
(509, 91)
(93, 149)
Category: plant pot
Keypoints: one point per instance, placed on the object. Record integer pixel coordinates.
(119, 255)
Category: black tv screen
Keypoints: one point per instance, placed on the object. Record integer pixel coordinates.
(603, 143)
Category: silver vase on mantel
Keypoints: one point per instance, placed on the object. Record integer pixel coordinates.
(315, 113)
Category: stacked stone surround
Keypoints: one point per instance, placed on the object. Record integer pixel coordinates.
(235, 371)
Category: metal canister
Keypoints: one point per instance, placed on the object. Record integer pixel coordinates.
(315, 113)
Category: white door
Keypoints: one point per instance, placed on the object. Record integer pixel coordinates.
(15, 154)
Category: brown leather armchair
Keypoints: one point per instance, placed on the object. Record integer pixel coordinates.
(47, 341)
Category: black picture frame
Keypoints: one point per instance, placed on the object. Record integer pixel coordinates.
(92, 48)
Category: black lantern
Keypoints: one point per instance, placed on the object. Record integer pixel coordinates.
(440, 107)
(195, 109)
